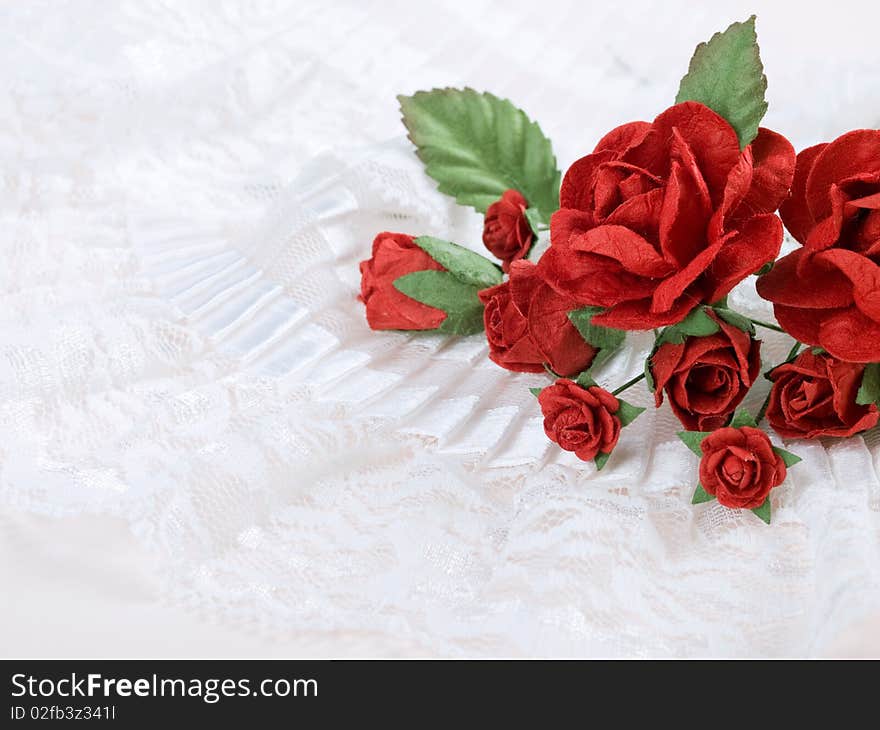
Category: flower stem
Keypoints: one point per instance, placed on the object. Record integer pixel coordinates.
(766, 325)
(627, 384)
(766, 404)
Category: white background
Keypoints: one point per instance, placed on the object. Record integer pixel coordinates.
(203, 450)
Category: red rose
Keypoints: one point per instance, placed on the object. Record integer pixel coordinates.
(740, 467)
(816, 396)
(706, 378)
(506, 230)
(395, 254)
(580, 419)
(507, 331)
(664, 216)
(828, 292)
(546, 312)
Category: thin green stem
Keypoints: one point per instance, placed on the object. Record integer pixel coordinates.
(766, 325)
(629, 383)
(766, 404)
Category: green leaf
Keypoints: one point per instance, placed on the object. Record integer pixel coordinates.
(789, 458)
(649, 376)
(601, 460)
(627, 413)
(476, 146)
(736, 319)
(701, 495)
(585, 380)
(743, 418)
(535, 391)
(602, 338)
(467, 266)
(726, 74)
(765, 269)
(764, 511)
(814, 350)
(533, 216)
(697, 324)
(441, 289)
(693, 439)
(869, 391)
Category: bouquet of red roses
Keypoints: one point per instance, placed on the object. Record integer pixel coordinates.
(651, 231)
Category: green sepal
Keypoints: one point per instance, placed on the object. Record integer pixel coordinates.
(697, 324)
(535, 391)
(464, 264)
(787, 457)
(765, 269)
(649, 376)
(601, 460)
(627, 412)
(726, 74)
(869, 390)
(763, 511)
(743, 418)
(476, 146)
(602, 338)
(701, 495)
(443, 290)
(736, 319)
(533, 216)
(585, 380)
(693, 439)
(817, 351)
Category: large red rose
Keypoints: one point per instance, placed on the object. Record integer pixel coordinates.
(816, 396)
(828, 292)
(395, 254)
(507, 331)
(546, 313)
(507, 232)
(740, 467)
(580, 419)
(664, 216)
(706, 378)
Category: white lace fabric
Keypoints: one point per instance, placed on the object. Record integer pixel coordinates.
(182, 347)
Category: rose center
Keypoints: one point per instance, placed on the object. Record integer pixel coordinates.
(733, 469)
(709, 378)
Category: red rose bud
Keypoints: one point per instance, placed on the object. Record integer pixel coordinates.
(546, 313)
(706, 378)
(506, 230)
(740, 467)
(507, 331)
(826, 293)
(580, 419)
(816, 396)
(663, 216)
(394, 255)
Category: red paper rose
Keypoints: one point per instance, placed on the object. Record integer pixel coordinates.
(828, 292)
(664, 216)
(816, 396)
(740, 467)
(546, 313)
(395, 254)
(580, 419)
(706, 378)
(507, 331)
(506, 230)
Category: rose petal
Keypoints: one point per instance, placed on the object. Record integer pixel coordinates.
(854, 153)
(773, 162)
(801, 279)
(794, 210)
(850, 335)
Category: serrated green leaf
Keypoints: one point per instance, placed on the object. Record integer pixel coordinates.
(736, 319)
(441, 289)
(467, 266)
(693, 439)
(697, 324)
(701, 495)
(627, 412)
(535, 391)
(743, 418)
(726, 74)
(585, 380)
(601, 460)
(787, 457)
(602, 338)
(476, 146)
(869, 391)
(764, 511)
